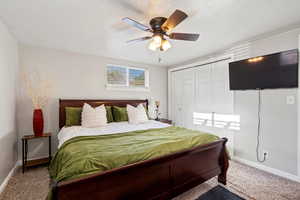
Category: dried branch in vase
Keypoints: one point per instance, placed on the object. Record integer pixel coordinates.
(37, 89)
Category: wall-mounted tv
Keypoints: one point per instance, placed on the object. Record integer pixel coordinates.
(279, 70)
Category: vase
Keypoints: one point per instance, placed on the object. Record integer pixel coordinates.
(38, 122)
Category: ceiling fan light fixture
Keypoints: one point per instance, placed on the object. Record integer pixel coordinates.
(160, 27)
(165, 45)
(153, 45)
(157, 39)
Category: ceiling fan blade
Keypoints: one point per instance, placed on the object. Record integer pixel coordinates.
(184, 36)
(176, 18)
(138, 39)
(136, 24)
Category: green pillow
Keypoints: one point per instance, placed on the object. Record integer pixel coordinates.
(109, 114)
(73, 116)
(120, 114)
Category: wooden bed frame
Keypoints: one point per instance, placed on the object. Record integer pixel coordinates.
(159, 178)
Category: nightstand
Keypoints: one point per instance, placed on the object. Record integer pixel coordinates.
(31, 163)
(164, 121)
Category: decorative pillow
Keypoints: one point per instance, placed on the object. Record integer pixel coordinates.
(73, 116)
(93, 117)
(120, 114)
(137, 114)
(109, 114)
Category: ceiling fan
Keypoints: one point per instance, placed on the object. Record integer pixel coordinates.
(161, 28)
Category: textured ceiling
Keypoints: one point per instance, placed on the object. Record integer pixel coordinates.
(95, 26)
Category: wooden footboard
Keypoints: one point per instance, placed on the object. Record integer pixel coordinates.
(160, 178)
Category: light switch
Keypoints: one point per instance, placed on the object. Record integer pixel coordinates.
(290, 100)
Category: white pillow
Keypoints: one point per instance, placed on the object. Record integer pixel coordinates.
(93, 117)
(137, 114)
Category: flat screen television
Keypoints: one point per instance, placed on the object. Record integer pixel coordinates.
(279, 70)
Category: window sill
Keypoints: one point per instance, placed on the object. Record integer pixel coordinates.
(123, 88)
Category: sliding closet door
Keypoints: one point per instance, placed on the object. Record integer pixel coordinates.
(182, 97)
(201, 100)
(201, 90)
(212, 92)
(188, 97)
(203, 97)
(222, 97)
(176, 97)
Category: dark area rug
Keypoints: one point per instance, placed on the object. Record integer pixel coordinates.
(219, 193)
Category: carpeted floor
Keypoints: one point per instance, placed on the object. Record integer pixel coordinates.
(244, 181)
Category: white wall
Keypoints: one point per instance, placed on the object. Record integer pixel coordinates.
(279, 120)
(76, 75)
(8, 71)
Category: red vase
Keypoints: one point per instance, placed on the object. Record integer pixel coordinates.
(38, 122)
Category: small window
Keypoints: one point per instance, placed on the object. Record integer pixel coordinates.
(137, 77)
(116, 75)
(127, 77)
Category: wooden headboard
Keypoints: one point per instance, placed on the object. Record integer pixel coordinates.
(93, 102)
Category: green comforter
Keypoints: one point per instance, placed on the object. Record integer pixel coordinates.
(85, 155)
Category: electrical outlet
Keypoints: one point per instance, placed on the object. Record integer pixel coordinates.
(290, 100)
(266, 154)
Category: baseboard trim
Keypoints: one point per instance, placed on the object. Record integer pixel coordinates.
(268, 169)
(10, 174)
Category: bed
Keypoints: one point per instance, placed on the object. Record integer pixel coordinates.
(149, 161)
